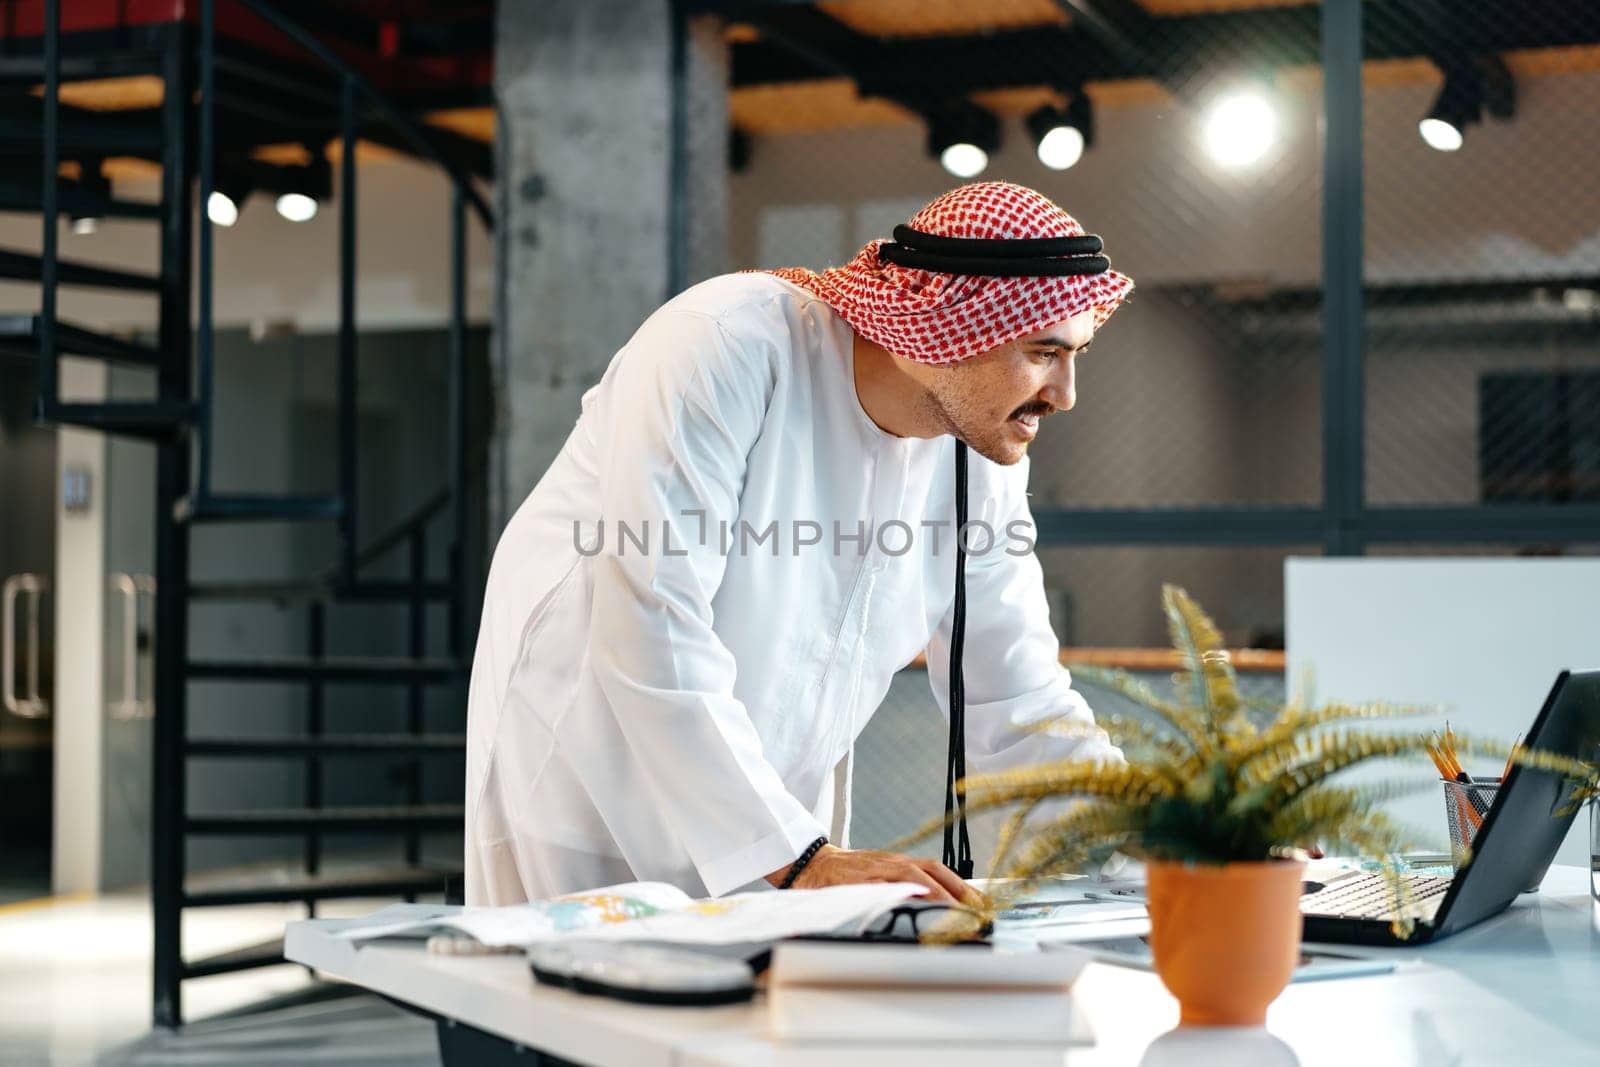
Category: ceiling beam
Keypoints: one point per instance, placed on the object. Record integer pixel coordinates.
(243, 125)
(1118, 25)
(829, 48)
(1173, 48)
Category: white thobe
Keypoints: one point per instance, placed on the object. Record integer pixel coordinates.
(674, 712)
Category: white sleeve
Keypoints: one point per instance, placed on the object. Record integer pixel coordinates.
(688, 407)
(1011, 670)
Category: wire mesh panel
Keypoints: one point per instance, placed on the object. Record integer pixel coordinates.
(1483, 253)
(1111, 597)
(1191, 136)
(1099, 597)
(900, 756)
(1187, 137)
(899, 775)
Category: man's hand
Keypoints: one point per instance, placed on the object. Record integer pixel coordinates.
(852, 866)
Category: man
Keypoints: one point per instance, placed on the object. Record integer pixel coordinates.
(749, 531)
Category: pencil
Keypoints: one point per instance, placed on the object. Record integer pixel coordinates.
(1439, 760)
(1450, 748)
(1447, 760)
(1451, 770)
(1510, 758)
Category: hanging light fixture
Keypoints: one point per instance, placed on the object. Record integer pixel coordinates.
(1471, 88)
(92, 182)
(964, 159)
(302, 187)
(227, 200)
(1060, 135)
(221, 208)
(962, 143)
(1458, 105)
(297, 207)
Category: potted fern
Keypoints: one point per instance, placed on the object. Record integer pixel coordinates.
(1219, 796)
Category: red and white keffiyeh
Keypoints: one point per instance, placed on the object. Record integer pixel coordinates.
(932, 317)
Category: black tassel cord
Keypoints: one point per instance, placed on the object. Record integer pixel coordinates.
(957, 845)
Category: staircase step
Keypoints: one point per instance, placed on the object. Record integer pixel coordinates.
(269, 821)
(331, 669)
(157, 419)
(265, 954)
(241, 507)
(329, 745)
(24, 266)
(21, 196)
(382, 882)
(24, 65)
(19, 334)
(22, 135)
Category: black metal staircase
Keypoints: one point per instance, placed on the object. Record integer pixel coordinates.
(178, 419)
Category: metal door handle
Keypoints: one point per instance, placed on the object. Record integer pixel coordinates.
(132, 705)
(32, 706)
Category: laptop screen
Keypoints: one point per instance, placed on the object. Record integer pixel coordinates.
(1529, 820)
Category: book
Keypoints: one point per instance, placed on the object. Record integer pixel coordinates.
(646, 911)
(946, 994)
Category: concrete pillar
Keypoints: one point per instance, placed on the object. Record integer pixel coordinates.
(589, 198)
(704, 122)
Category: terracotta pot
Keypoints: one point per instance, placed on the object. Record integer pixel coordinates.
(1225, 938)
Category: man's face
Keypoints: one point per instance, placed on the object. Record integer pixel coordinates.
(994, 401)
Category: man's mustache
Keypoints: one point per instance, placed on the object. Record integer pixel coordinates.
(1036, 407)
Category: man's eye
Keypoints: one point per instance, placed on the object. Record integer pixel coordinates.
(1045, 354)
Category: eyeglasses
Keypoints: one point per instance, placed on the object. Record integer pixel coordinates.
(913, 921)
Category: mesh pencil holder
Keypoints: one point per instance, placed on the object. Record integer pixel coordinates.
(1461, 802)
(1458, 797)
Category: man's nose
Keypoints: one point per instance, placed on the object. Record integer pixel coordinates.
(1060, 388)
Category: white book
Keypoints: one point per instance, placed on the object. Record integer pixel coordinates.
(866, 993)
(807, 1014)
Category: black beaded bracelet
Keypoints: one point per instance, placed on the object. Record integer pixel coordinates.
(800, 864)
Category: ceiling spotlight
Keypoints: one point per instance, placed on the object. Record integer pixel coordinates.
(300, 188)
(1458, 105)
(221, 208)
(962, 143)
(92, 184)
(227, 198)
(1061, 147)
(964, 159)
(1240, 128)
(297, 207)
(1441, 135)
(1061, 134)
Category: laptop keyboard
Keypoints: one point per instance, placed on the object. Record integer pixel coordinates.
(1364, 896)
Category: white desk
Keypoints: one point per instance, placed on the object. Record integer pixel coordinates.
(1522, 988)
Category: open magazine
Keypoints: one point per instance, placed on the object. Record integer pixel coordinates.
(647, 911)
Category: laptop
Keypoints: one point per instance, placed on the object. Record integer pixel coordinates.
(1513, 848)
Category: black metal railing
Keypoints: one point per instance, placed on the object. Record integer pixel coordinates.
(180, 421)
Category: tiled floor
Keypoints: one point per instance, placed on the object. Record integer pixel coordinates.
(75, 989)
